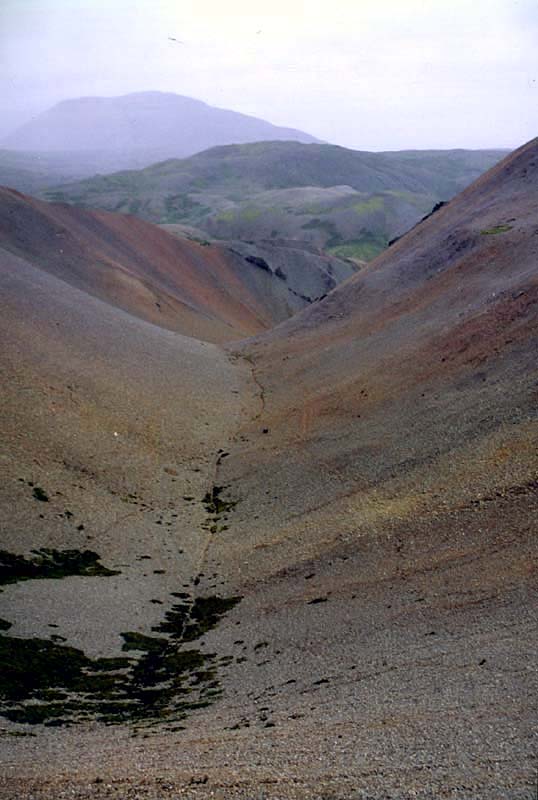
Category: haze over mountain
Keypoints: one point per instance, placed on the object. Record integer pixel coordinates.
(349, 202)
(33, 171)
(139, 129)
(381, 75)
(316, 548)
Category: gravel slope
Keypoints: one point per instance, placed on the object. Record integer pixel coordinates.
(380, 449)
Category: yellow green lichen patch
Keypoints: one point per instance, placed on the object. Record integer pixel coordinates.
(496, 229)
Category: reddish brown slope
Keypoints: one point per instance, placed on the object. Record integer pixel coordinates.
(417, 360)
(200, 291)
(386, 531)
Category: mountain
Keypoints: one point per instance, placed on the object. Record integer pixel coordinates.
(349, 202)
(211, 291)
(138, 129)
(301, 565)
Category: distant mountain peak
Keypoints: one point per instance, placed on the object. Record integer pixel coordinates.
(131, 98)
(163, 124)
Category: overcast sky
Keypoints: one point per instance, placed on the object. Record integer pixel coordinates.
(367, 74)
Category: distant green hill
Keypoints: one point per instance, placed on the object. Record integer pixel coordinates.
(348, 202)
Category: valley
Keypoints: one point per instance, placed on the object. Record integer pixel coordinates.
(224, 176)
(280, 550)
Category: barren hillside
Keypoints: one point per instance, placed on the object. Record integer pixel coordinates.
(323, 538)
(209, 291)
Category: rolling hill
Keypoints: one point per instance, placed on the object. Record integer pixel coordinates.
(348, 202)
(301, 565)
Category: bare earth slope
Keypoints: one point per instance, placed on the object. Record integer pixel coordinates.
(388, 501)
(208, 291)
(371, 476)
(109, 427)
(428, 351)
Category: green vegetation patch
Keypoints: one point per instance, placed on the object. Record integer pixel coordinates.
(137, 641)
(366, 248)
(189, 621)
(369, 206)
(496, 229)
(226, 216)
(44, 682)
(314, 209)
(47, 563)
(214, 504)
(250, 213)
(206, 613)
(182, 208)
(217, 509)
(30, 668)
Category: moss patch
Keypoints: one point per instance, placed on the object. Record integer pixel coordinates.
(44, 682)
(47, 563)
(137, 641)
(214, 504)
(365, 248)
(496, 229)
(189, 621)
(216, 507)
(375, 203)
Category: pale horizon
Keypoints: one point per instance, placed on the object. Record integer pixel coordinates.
(368, 76)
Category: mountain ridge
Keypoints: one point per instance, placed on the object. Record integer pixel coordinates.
(142, 126)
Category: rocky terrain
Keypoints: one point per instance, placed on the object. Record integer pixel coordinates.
(299, 564)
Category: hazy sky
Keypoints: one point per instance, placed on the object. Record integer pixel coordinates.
(367, 74)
